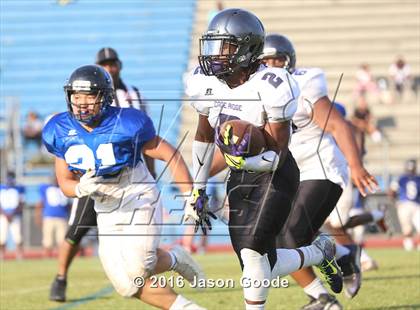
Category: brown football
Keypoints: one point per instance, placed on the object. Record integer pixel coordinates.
(256, 142)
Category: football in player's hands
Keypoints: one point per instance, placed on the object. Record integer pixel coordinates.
(241, 138)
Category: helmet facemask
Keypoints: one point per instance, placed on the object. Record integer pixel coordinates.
(86, 104)
(223, 55)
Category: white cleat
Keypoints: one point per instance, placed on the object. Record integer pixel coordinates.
(186, 266)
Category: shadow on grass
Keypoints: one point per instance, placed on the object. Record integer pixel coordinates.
(101, 294)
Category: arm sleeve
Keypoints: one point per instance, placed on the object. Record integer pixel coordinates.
(202, 153)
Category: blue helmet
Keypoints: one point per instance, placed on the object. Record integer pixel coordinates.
(89, 79)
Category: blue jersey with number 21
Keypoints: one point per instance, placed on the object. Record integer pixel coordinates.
(114, 144)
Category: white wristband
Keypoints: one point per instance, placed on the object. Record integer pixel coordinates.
(267, 161)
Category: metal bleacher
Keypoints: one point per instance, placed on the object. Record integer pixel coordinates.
(42, 42)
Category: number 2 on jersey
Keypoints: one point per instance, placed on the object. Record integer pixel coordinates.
(82, 157)
(272, 79)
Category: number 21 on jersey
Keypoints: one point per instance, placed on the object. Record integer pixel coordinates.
(80, 156)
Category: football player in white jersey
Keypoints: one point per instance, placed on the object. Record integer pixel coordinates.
(230, 84)
(323, 145)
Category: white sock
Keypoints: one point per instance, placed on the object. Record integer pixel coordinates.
(287, 262)
(312, 255)
(254, 307)
(315, 288)
(180, 303)
(341, 251)
(377, 215)
(173, 260)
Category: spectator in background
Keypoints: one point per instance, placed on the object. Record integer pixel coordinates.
(52, 212)
(365, 81)
(407, 192)
(11, 206)
(362, 125)
(32, 130)
(362, 122)
(400, 75)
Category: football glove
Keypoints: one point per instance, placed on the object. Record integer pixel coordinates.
(226, 142)
(235, 162)
(88, 184)
(197, 209)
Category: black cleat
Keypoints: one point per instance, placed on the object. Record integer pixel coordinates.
(324, 302)
(350, 266)
(58, 290)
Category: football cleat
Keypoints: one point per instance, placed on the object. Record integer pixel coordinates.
(58, 290)
(350, 267)
(329, 267)
(186, 266)
(324, 302)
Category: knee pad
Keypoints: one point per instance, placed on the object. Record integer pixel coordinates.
(256, 275)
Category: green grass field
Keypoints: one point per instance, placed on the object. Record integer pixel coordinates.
(25, 285)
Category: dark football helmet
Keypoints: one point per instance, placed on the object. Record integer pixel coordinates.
(89, 80)
(277, 46)
(234, 39)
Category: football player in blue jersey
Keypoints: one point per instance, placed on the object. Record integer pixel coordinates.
(51, 214)
(83, 214)
(98, 154)
(407, 192)
(11, 205)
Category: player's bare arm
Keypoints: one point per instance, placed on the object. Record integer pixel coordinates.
(204, 131)
(335, 124)
(158, 148)
(67, 180)
(277, 137)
